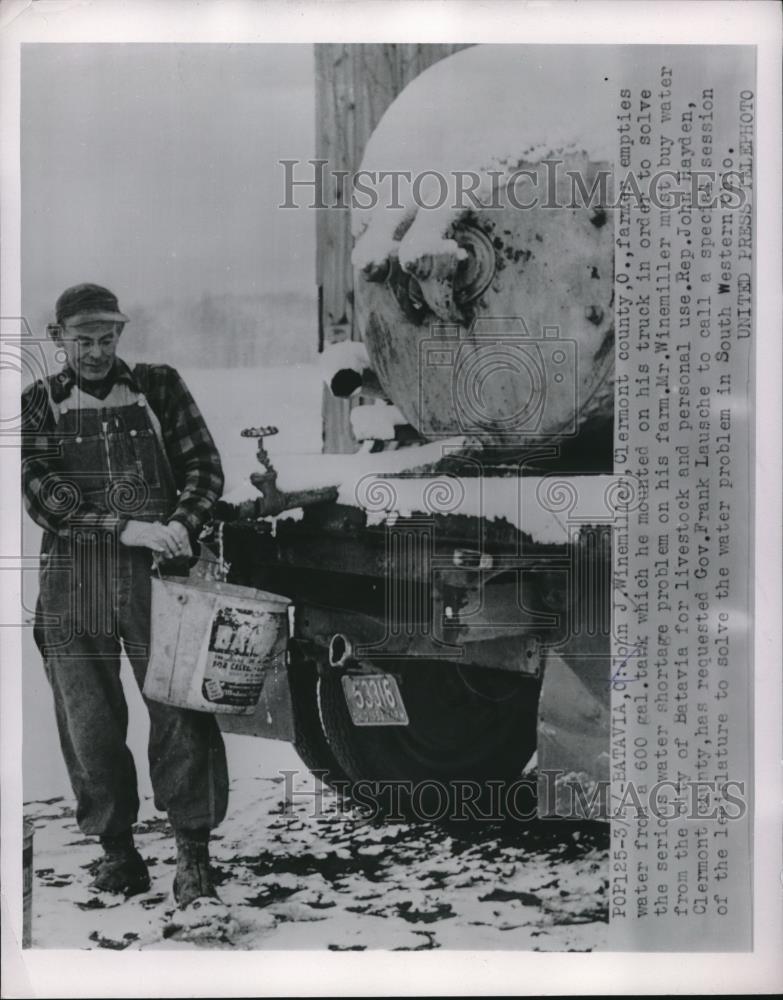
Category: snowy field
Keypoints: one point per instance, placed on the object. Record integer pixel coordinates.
(291, 879)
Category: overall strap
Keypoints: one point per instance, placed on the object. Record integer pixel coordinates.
(140, 374)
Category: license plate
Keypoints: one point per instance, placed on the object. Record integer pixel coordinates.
(374, 700)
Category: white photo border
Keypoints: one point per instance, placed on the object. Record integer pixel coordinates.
(53, 973)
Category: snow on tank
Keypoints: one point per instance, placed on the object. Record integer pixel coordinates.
(493, 322)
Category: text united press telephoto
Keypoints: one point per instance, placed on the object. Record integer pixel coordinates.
(386, 439)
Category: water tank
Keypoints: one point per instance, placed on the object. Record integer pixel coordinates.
(484, 284)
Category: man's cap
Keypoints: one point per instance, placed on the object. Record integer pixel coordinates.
(88, 304)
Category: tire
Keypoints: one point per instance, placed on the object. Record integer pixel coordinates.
(309, 739)
(466, 726)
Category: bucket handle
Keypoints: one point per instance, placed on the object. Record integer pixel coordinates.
(221, 573)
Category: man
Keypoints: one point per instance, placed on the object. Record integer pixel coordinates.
(118, 468)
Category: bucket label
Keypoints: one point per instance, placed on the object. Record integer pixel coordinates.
(240, 641)
(213, 690)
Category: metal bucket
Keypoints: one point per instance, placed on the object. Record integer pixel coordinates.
(27, 884)
(213, 644)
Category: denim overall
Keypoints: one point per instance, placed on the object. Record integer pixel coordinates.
(94, 602)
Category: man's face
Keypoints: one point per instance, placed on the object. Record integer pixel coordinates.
(90, 347)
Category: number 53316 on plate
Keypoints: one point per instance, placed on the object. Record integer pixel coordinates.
(374, 700)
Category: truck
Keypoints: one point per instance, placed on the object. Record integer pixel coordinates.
(450, 573)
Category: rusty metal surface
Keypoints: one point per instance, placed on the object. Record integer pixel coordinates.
(337, 540)
(427, 600)
(553, 271)
(373, 641)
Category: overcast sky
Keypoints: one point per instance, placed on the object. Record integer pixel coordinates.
(153, 169)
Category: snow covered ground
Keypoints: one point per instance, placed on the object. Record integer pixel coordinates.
(291, 879)
(299, 872)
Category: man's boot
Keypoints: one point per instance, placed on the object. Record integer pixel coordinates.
(121, 869)
(194, 875)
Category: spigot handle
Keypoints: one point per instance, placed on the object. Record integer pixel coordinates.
(259, 432)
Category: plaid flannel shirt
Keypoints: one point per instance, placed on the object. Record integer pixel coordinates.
(194, 459)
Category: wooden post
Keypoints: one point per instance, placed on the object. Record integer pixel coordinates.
(354, 84)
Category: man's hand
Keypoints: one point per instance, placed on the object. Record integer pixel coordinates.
(164, 539)
(181, 538)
